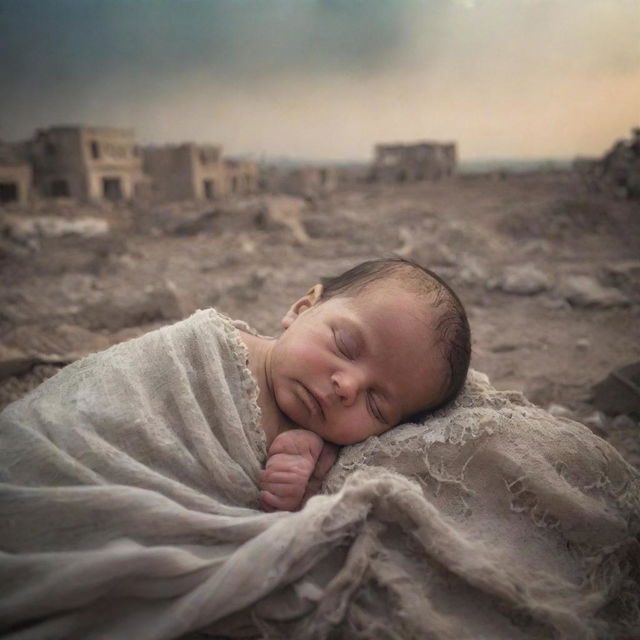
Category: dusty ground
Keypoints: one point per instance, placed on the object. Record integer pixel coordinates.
(61, 297)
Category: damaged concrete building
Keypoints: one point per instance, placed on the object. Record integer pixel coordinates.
(196, 172)
(306, 182)
(86, 163)
(15, 174)
(413, 162)
(241, 176)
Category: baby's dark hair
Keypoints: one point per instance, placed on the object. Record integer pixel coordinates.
(454, 334)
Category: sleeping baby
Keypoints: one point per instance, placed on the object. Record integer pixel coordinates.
(192, 411)
(129, 481)
(364, 351)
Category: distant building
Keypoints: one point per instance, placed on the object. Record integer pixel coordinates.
(86, 163)
(620, 167)
(15, 174)
(197, 172)
(241, 176)
(305, 182)
(413, 162)
(618, 171)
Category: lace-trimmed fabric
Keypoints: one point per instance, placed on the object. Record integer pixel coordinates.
(128, 492)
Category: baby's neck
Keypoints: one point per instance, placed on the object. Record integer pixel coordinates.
(273, 420)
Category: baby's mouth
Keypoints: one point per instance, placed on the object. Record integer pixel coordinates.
(312, 403)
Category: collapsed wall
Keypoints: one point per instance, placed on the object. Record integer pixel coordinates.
(618, 171)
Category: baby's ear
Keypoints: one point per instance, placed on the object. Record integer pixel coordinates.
(302, 304)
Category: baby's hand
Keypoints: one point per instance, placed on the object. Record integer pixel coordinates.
(298, 460)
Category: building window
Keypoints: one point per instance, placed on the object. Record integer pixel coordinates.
(112, 189)
(50, 149)
(95, 150)
(390, 159)
(209, 156)
(8, 192)
(59, 189)
(209, 189)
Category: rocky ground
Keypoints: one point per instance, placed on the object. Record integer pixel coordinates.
(549, 271)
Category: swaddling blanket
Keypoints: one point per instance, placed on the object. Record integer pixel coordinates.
(128, 509)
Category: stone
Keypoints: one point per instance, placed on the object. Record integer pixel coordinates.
(524, 280)
(559, 411)
(624, 422)
(596, 421)
(585, 291)
(619, 392)
(619, 274)
(26, 230)
(472, 271)
(278, 213)
(13, 362)
(116, 309)
(556, 304)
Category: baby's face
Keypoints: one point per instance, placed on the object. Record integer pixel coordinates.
(349, 368)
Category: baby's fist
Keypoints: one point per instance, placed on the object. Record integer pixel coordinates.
(293, 456)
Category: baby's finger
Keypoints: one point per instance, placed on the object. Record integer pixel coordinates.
(284, 489)
(284, 461)
(285, 477)
(265, 507)
(276, 502)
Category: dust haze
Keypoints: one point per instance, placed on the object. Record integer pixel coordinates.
(324, 80)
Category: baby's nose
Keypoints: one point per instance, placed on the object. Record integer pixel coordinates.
(346, 386)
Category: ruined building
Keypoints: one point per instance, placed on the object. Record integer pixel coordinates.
(413, 162)
(306, 182)
(86, 163)
(196, 172)
(15, 174)
(617, 172)
(241, 176)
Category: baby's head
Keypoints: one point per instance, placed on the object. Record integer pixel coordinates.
(377, 345)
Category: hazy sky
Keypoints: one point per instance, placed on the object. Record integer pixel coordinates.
(328, 78)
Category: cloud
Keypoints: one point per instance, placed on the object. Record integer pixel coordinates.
(329, 77)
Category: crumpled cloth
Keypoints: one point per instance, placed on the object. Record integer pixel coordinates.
(128, 509)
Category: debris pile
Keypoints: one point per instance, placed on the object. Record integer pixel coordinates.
(618, 172)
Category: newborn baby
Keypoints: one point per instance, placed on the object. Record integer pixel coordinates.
(359, 354)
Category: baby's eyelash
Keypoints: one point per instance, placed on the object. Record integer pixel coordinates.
(375, 411)
(341, 346)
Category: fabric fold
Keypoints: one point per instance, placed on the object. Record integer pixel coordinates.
(129, 508)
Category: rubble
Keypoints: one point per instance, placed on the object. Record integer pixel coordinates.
(29, 230)
(619, 392)
(524, 280)
(559, 411)
(585, 291)
(596, 421)
(250, 257)
(472, 271)
(618, 171)
(283, 213)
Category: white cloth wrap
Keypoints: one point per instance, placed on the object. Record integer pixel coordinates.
(128, 503)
